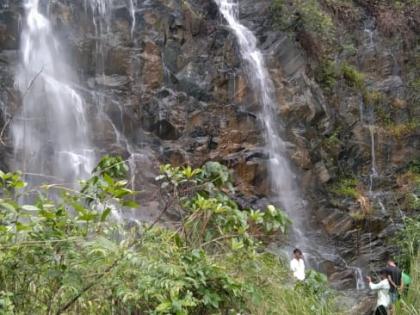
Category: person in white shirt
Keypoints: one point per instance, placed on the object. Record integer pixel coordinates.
(297, 265)
(384, 299)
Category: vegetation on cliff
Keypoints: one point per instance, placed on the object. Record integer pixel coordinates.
(408, 241)
(62, 252)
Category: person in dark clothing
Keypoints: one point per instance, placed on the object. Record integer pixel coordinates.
(394, 276)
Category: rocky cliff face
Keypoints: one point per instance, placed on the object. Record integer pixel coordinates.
(166, 86)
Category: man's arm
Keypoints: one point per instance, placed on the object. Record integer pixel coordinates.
(392, 282)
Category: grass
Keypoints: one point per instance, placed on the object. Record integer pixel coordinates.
(274, 292)
(346, 187)
(410, 304)
(353, 77)
(401, 130)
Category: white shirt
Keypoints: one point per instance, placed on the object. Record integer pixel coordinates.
(383, 292)
(298, 268)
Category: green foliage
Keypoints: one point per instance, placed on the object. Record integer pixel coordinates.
(408, 241)
(211, 214)
(50, 248)
(373, 98)
(306, 14)
(315, 284)
(271, 291)
(403, 129)
(414, 166)
(61, 255)
(349, 49)
(410, 302)
(326, 74)
(346, 187)
(409, 183)
(353, 77)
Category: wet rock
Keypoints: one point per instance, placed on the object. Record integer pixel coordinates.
(322, 173)
(165, 130)
(111, 81)
(337, 223)
(9, 28)
(364, 306)
(390, 84)
(152, 65)
(194, 80)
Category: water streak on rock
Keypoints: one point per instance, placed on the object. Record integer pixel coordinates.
(51, 132)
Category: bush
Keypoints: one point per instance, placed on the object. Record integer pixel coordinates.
(62, 254)
(306, 14)
(326, 75)
(353, 77)
(408, 241)
(346, 187)
(410, 303)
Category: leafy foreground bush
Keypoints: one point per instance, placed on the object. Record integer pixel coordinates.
(410, 303)
(408, 242)
(60, 253)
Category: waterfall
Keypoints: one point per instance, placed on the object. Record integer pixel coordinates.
(374, 172)
(283, 181)
(360, 281)
(101, 20)
(50, 133)
(132, 8)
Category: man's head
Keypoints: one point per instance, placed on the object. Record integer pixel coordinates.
(297, 253)
(391, 263)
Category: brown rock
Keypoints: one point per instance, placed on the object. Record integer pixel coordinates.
(302, 159)
(322, 172)
(152, 65)
(399, 103)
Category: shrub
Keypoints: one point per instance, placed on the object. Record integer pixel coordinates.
(306, 14)
(373, 98)
(326, 75)
(353, 77)
(408, 241)
(410, 303)
(401, 130)
(346, 187)
(63, 254)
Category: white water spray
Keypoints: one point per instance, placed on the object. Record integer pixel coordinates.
(132, 8)
(282, 177)
(51, 132)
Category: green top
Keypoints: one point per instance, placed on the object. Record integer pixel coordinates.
(406, 279)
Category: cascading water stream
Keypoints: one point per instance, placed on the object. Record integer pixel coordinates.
(283, 180)
(373, 171)
(132, 7)
(50, 134)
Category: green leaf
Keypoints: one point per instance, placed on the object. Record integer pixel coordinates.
(105, 214)
(130, 204)
(88, 216)
(164, 307)
(108, 179)
(22, 227)
(20, 184)
(8, 206)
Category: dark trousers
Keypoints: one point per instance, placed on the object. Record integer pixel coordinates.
(381, 310)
